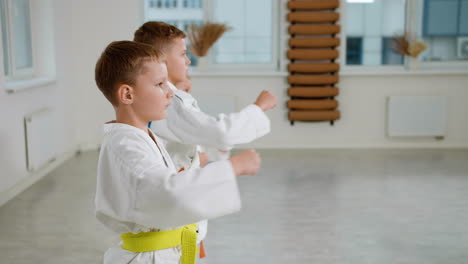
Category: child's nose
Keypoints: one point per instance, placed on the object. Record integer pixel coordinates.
(188, 60)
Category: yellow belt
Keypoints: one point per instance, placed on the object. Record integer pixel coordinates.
(157, 240)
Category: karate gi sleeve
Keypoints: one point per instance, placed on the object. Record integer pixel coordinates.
(167, 199)
(188, 126)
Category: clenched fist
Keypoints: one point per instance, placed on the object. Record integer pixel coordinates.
(266, 100)
(246, 163)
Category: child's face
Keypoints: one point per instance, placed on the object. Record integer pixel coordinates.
(177, 61)
(152, 94)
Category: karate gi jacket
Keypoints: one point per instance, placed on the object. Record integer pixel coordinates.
(138, 189)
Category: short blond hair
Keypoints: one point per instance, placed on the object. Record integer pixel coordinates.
(158, 34)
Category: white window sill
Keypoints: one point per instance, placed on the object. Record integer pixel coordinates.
(403, 73)
(16, 86)
(341, 73)
(238, 74)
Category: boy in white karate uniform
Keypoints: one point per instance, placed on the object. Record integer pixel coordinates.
(187, 130)
(139, 192)
(186, 126)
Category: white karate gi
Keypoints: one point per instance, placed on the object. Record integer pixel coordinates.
(138, 189)
(188, 130)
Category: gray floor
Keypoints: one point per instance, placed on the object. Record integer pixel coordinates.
(315, 206)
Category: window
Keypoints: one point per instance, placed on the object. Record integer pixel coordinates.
(16, 39)
(27, 45)
(252, 41)
(370, 25)
(369, 29)
(6, 51)
(445, 30)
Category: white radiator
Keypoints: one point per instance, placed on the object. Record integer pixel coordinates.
(40, 135)
(417, 116)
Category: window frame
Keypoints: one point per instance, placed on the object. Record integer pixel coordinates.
(367, 68)
(207, 15)
(416, 8)
(41, 15)
(17, 74)
(414, 18)
(413, 26)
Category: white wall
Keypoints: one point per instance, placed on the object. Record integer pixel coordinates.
(362, 104)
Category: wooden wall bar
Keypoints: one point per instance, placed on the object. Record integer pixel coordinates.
(313, 51)
(313, 67)
(318, 5)
(314, 42)
(307, 17)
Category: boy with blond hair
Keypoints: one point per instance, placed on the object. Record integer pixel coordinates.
(139, 192)
(186, 124)
(188, 131)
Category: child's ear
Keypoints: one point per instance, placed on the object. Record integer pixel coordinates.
(125, 94)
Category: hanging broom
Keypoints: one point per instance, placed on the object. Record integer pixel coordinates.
(202, 37)
(402, 46)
